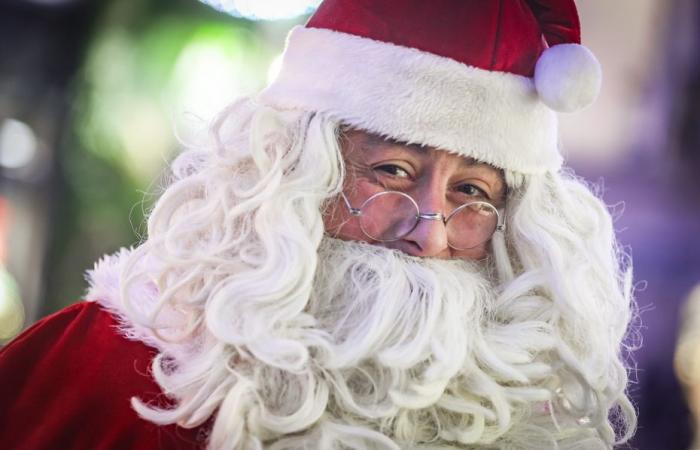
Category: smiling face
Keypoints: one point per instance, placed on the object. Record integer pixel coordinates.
(438, 181)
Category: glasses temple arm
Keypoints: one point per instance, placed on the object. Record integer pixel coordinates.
(353, 211)
(502, 213)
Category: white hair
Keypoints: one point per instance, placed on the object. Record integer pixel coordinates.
(522, 351)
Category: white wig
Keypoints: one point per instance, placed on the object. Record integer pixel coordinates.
(225, 286)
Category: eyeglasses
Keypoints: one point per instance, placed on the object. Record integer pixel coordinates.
(390, 215)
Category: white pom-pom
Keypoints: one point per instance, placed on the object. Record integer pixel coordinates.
(567, 77)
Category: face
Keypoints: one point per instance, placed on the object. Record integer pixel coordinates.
(437, 180)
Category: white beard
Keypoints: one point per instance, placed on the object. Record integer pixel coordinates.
(414, 318)
(403, 352)
(396, 333)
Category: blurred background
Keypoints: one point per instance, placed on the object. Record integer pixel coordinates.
(97, 96)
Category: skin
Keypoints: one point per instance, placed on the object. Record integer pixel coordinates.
(439, 181)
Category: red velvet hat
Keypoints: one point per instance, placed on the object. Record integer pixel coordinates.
(482, 78)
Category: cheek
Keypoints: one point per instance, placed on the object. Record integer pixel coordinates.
(338, 222)
(475, 254)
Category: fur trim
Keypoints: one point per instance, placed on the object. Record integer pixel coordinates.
(417, 97)
(104, 282)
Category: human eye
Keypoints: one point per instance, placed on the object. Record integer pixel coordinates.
(472, 191)
(392, 170)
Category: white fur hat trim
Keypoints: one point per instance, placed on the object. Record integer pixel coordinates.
(417, 97)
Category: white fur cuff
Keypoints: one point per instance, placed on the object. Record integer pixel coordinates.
(417, 97)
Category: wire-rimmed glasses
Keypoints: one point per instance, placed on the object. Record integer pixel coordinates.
(388, 216)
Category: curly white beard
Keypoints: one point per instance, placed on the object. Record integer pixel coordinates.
(403, 354)
(399, 328)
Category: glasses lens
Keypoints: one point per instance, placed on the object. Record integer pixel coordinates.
(471, 225)
(388, 216)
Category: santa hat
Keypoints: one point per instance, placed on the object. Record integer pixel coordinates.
(482, 78)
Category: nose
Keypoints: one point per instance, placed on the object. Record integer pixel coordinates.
(429, 237)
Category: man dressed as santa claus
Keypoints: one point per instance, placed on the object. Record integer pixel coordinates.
(380, 250)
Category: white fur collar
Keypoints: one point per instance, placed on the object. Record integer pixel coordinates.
(104, 289)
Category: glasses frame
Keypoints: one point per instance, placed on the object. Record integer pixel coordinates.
(357, 212)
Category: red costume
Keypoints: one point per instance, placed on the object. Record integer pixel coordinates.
(66, 383)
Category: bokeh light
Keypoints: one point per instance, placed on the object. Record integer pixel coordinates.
(11, 309)
(18, 144)
(264, 10)
(274, 69)
(145, 90)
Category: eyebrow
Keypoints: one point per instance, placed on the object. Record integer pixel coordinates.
(379, 139)
(421, 148)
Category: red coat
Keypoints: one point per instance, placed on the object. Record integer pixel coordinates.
(66, 384)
